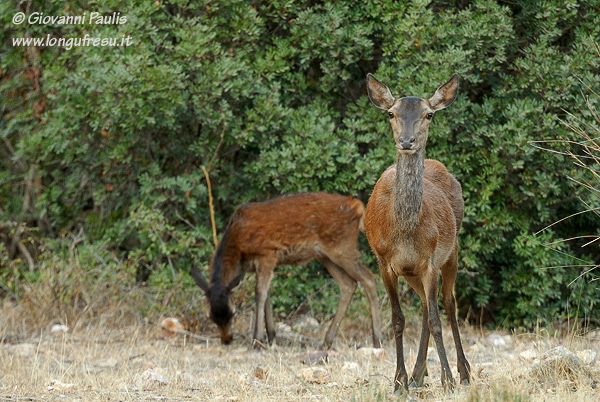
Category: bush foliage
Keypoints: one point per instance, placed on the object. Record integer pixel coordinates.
(268, 97)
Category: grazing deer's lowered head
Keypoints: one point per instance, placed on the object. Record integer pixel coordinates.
(291, 230)
(412, 222)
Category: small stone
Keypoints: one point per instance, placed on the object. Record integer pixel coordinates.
(432, 355)
(187, 377)
(588, 356)
(316, 375)
(149, 379)
(59, 329)
(306, 323)
(171, 326)
(22, 349)
(350, 366)
(560, 362)
(558, 356)
(377, 353)
(247, 380)
(56, 385)
(496, 340)
(281, 327)
(261, 373)
(528, 354)
(107, 363)
(315, 357)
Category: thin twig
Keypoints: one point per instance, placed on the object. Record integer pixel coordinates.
(567, 217)
(187, 333)
(211, 206)
(206, 169)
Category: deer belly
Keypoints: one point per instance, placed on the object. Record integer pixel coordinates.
(298, 254)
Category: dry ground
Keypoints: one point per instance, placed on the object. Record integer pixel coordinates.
(139, 363)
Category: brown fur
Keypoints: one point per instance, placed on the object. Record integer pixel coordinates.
(293, 230)
(412, 222)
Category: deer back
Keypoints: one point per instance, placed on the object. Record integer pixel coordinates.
(291, 229)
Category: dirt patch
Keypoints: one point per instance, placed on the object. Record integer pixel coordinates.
(141, 363)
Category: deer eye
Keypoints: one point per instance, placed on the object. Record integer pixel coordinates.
(429, 116)
(391, 115)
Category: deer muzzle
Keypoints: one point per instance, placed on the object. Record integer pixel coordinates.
(406, 144)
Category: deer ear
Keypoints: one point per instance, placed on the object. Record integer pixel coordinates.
(379, 93)
(199, 279)
(445, 95)
(236, 280)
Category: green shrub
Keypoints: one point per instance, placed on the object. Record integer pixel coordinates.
(269, 97)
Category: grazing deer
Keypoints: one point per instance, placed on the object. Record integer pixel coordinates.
(292, 229)
(412, 223)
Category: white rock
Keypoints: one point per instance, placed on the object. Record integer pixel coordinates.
(315, 357)
(559, 356)
(528, 354)
(109, 362)
(56, 385)
(22, 349)
(377, 353)
(306, 323)
(187, 377)
(558, 362)
(281, 327)
(350, 366)
(59, 329)
(496, 340)
(432, 355)
(149, 379)
(588, 356)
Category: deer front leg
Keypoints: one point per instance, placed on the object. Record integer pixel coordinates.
(390, 282)
(420, 370)
(430, 283)
(449, 271)
(263, 281)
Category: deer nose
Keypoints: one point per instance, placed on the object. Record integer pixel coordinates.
(407, 143)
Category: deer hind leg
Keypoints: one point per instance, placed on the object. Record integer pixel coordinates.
(449, 271)
(390, 281)
(264, 275)
(420, 370)
(369, 283)
(269, 322)
(368, 280)
(430, 284)
(347, 287)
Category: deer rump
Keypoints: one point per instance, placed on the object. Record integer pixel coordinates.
(293, 230)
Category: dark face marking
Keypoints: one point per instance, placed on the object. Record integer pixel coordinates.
(221, 312)
(410, 117)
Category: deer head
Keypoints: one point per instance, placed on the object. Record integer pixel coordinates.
(221, 311)
(410, 116)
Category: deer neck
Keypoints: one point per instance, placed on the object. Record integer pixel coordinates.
(409, 189)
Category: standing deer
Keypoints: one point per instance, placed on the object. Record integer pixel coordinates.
(292, 229)
(412, 222)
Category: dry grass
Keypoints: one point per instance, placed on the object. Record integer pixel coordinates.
(101, 362)
(111, 345)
